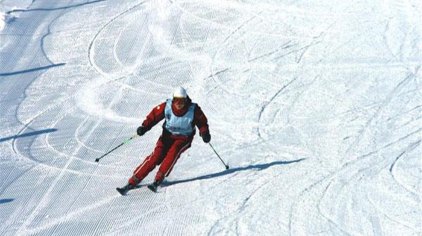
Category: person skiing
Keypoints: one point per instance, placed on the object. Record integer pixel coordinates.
(181, 116)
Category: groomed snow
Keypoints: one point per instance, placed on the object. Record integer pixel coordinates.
(315, 106)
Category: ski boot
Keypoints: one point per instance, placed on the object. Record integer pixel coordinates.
(123, 191)
(153, 187)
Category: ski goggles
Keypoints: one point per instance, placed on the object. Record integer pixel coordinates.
(179, 100)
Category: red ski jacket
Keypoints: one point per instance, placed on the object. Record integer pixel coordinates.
(157, 114)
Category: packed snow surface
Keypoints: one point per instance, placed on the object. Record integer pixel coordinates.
(315, 105)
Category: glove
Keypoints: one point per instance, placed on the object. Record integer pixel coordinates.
(206, 137)
(141, 130)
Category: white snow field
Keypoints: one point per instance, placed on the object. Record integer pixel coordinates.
(315, 105)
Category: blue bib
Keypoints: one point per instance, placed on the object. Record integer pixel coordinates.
(179, 125)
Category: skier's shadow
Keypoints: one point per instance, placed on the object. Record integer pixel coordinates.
(257, 167)
(6, 200)
(38, 132)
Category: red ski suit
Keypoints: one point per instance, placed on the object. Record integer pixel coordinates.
(169, 147)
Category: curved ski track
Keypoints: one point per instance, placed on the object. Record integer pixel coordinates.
(267, 77)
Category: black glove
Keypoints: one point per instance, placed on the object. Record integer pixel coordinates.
(141, 130)
(206, 137)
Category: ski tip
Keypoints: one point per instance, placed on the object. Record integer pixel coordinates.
(152, 188)
(121, 191)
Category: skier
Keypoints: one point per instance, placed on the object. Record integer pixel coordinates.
(181, 116)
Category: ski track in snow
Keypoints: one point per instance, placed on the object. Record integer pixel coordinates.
(315, 107)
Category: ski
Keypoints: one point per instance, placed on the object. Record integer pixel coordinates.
(152, 187)
(122, 191)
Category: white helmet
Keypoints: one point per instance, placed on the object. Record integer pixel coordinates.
(180, 92)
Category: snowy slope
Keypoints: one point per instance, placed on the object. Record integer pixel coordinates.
(315, 105)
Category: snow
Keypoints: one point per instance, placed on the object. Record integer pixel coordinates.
(10, 10)
(2, 20)
(315, 106)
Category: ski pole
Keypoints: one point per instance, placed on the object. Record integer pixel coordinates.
(227, 166)
(126, 141)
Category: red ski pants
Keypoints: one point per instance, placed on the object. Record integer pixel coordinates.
(166, 153)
